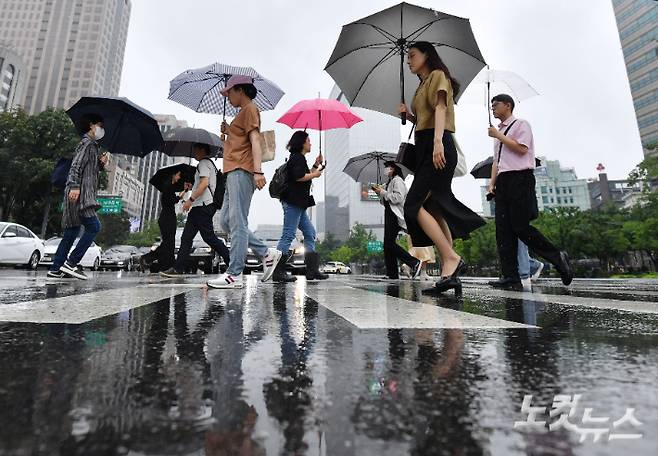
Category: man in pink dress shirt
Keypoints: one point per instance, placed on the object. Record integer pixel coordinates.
(513, 184)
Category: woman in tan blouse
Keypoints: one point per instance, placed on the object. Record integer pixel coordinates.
(431, 211)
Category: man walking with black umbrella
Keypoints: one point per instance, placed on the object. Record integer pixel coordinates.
(201, 211)
(513, 184)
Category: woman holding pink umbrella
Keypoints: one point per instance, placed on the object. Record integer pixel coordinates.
(296, 199)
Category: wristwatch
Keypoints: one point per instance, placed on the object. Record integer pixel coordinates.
(191, 199)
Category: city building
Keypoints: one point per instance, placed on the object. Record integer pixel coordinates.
(12, 78)
(346, 201)
(637, 21)
(144, 168)
(622, 193)
(123, 183)
(70, 48)
(555, 187)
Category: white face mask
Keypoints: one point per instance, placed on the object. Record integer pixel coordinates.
(99, 132)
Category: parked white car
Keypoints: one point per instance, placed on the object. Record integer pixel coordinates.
(336, 267)
(19, 246)
(92, 258)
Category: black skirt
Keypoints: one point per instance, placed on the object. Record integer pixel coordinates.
(432, 190)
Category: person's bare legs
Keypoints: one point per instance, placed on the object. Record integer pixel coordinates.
(445, 228)
(432, 228)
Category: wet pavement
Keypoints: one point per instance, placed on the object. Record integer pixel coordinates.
(128, 364)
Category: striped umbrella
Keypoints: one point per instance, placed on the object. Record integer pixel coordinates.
(200, 89)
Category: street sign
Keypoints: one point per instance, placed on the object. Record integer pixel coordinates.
(375, 246)
(110, 204)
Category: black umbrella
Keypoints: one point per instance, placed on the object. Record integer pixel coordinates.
(368, 60)
(370, 167)
(483, 169)
(178, 142)
(163, 176)
(129, 128)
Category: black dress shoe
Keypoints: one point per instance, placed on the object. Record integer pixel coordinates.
(507, 284)
(448, 283)
(565, 269)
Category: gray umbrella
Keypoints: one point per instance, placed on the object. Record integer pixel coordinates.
(369, 168)
(368, 60)
(179, 141)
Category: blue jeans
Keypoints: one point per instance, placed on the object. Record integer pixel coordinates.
(295, 217)
(527, 265)
(234, 216)
(92, 227)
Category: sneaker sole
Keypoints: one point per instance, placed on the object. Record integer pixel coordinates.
(72, 273)
(267, 275)
(225, 287)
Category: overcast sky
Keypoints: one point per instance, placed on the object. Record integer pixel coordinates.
(568, 51)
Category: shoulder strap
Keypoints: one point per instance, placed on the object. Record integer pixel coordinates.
(216, 172)
(411, 132)
(500, 148)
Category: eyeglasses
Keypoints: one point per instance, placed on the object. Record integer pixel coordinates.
(494, 104)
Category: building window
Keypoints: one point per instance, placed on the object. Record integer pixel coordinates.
(544, 199)
(544, 189)
(5, 88)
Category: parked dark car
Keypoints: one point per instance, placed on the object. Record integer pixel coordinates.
(120, 257)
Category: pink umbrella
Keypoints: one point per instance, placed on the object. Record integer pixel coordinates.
(319, 114)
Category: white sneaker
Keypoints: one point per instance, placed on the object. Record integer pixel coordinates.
(527, 284)
(269, 263)
(226, 281)
(537, 273)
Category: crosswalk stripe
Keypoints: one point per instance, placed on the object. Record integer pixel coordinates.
(83, 307)
(370, 310)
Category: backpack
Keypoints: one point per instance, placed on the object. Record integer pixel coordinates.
(61, 173)
(220, 187)
(279, 182)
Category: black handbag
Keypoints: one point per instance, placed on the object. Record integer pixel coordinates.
(407, 153)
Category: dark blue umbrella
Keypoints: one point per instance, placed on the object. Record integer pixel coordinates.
(129, 128)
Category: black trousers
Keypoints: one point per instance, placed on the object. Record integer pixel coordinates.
(516, 207)
(165, 251)
(392, 251)
(199, 220)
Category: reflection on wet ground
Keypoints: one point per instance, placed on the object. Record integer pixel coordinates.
(270, 369)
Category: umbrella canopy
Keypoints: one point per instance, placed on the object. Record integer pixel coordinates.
(369, 168)
(483, 169)
(178, 142)
(163, 176)
(320, 114)
(130, 129)
(200, 89)
(368, 60)
(500, 81)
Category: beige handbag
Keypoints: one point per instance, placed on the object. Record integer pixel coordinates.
(462, 168)
(267, 145)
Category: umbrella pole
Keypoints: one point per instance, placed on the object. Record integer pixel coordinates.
(403, 116)
(487, 101)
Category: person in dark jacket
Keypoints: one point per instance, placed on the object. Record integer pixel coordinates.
(80, 203)
(165, 252)
(296, 198)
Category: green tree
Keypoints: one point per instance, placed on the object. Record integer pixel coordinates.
(115, 229)
(326, 247)
(145, 238)
(29, 148)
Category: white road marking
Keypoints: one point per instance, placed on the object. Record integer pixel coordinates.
(369, 310)
(84, 307)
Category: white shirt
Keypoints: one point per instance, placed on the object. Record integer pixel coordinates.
(205, 168)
